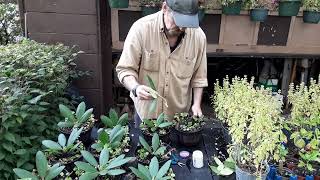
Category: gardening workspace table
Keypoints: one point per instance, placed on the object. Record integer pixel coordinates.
(212, 138)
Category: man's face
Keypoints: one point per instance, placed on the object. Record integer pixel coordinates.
(171, 28)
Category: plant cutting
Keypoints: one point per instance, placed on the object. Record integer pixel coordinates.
(161, 126)
(150, 6)
(113, 119)
(153, 171)
(311, 11)
(223, 169)
(188, 128)
(145, 152)
(116, 141)
(231, 7)
(106, 168)
(65, 151)
(254, 119)
(289, 7)
(43, 172)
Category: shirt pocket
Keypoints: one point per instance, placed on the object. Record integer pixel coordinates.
(151, 60)
(186, 67)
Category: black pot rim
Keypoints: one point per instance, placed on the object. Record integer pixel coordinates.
(189, 132)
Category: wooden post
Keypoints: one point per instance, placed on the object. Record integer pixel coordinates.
(287, 68)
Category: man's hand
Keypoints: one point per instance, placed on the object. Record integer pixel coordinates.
(143, 92)
(196, 110)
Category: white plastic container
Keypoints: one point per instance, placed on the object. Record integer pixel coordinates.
(197, 159)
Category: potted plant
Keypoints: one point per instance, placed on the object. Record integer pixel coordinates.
(43, 171)
(231, 7)
(259, 9)
(289, 7)
(225, 169)
(150, 6)
(65, 151)
(113, 119)
(311, 13)
(81, 118)
(188, 128)
(145, 151)
(105, 168)
(254, 120)
(153, 171)
(160, 126)
(118, 3)
(304, 125)
(116, 141)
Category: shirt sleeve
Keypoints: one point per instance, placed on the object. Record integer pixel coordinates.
(129, 62)
(199, 78)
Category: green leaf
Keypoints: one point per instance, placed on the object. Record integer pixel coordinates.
(85, 166)
(145, 144)
(54, 172)
(160, 151)
(144, 171)
(89, 158)
(86, 115)
(165, 124)
(104, 157)
(113, 116)
(7, 146)
(123, 120)
(42, 164)
(66, 112)
(215, 170)
(80, 110)
(21, 173)
(219, 163)
(89, 176)
(103, 137)
(155, 141)
(138, 173)
(154, 167)
(62, 140)
(74, 135)
(35, 99)
(150, 83)
(163, 170)
(106, 121)
(10, 137)
(20, 152)
(65, 124)
(118, 136)
(119, 161)
(153, 106)
(226, 171)
(115, 172)
(160, 119)
(51, 145)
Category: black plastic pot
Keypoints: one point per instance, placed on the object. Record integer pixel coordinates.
(189, 138)
(165, 138)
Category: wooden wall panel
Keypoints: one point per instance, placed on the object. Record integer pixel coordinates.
(305, 34)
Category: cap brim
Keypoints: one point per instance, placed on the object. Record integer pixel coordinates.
(184, 20)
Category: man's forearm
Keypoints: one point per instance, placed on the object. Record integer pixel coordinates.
(197, 96)
(129, 82)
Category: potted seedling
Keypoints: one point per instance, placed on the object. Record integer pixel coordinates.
(106, 168)
(160, 126)
(231, 7)
(153, 171)
(189, 128)
(115, 140)
(225, 169)
(81, 118)
(254, 120)
(150, 6)
(113, 119)
(43, 170)
(145, 152)
(65, 151)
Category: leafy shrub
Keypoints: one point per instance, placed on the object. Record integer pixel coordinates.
(33, 81)
(10, 27)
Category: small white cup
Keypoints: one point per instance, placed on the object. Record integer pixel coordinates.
(197, 159)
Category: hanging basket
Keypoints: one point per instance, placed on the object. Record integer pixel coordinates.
(118, 3)
(289, 8)
(311, 17)
(146, 10)
(232, 9)
(258, 14)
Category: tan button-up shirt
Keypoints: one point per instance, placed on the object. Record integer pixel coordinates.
(146, 51)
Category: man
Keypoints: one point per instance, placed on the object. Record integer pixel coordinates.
(170, 47)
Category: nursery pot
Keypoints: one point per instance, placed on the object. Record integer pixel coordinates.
(258, 14)
(163, 137)
(289, 8)
(311, 17)
(243, 175)
(232, 9)
(118, 3)
(149, 10)
(189, 138)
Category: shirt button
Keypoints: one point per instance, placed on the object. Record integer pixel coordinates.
(167, 85)
(167, 72)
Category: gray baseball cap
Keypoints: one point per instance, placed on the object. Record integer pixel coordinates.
(185, 12)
